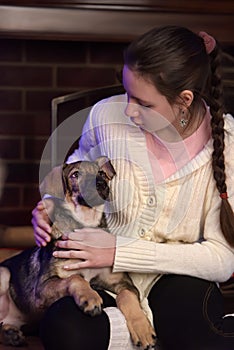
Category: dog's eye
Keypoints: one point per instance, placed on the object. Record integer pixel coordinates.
(75, 175)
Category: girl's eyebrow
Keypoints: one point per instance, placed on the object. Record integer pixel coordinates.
(142, 101)
(136, 98)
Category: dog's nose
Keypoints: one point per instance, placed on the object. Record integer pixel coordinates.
(101, 184)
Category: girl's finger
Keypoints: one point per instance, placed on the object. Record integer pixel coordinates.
(67, 254)
(77, 265)
(68, 244)
(40, 205)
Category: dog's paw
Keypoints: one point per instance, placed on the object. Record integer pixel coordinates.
(91, 303)
(142, 333)
(94, 311)
(11, 335)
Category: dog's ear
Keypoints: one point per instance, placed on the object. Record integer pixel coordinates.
(105, 165)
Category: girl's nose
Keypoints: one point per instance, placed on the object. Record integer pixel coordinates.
(131, 110)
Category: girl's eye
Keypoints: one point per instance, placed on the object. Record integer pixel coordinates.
(139, 102)
(75, 175)
(145, 106)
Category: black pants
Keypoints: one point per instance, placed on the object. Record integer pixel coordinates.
(188, 315)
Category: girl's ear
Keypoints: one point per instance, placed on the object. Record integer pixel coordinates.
(187, 98)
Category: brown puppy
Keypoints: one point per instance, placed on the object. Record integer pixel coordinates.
(32, 280)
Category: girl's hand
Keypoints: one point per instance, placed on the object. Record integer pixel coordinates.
(41, 222)
(93, 246)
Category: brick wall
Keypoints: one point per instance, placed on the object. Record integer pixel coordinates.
(31, 74)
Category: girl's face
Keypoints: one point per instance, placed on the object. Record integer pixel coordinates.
(146, 107)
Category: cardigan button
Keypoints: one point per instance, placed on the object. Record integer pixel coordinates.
(151, 201)
(142, 232)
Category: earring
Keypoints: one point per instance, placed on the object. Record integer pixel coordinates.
(183, 121)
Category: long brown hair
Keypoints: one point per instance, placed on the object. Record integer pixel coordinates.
(174, 59)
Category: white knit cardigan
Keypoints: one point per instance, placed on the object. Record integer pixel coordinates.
(170, 227)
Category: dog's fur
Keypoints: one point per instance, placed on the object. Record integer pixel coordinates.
(32, 280)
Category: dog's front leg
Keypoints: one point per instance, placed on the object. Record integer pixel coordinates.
(76, 286)
(86, 297)
(141, 330)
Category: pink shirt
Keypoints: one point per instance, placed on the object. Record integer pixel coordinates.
(168, 157)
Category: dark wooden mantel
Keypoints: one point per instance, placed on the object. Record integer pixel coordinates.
(116, 20)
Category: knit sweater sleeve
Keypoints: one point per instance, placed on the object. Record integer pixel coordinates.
(211, 260)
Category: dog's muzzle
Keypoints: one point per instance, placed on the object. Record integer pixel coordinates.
(94, 191)
(102, 188)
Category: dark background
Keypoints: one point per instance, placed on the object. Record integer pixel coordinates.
(50, 48)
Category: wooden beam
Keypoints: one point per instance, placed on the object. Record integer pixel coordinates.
(182, 6)
(104, 25)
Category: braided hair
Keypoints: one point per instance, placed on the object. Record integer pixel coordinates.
(174, 59)
(216, 104)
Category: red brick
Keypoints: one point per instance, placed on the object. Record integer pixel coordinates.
(41, 100)
(23, 173)
(228, 49)
(19, 217)
(111, 53)
(19, 197)
(33, 148)
(10, 100)
(86, 77)
(11, 50)
(25, 76)
(31, 196)
(56, 51)
(25, 124)
(10, 148)
(228, 74)
(229, 99)
(11, 197)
